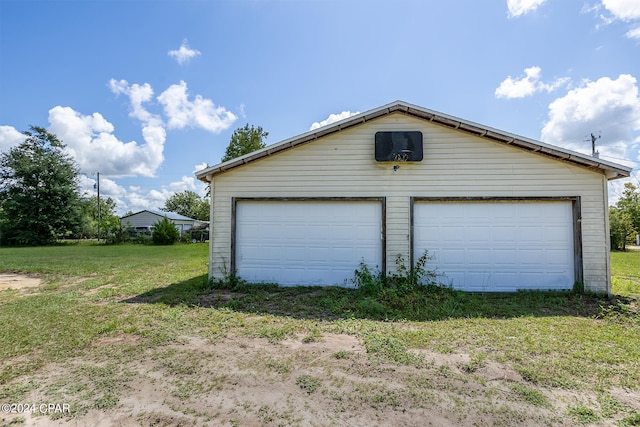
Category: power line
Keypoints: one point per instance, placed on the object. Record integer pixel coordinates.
(620, 124)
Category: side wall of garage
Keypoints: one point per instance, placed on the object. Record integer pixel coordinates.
(456, 164)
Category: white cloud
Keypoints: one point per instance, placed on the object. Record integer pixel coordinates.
(186, 183)
(138, 95)
(609, 108)
(108, 188)
(184, 54)
(332, 119)
(522, 7)
(91, 140)
(633, 33)
(527, 85)
(200, 112)
(625, 10)
(200, 167)
(618, 10)
(9, 138)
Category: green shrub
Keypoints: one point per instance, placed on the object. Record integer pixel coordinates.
(165, 233)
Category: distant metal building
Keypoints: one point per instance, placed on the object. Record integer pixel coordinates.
(144, 221)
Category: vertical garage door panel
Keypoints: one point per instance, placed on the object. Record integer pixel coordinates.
(306, 242)
(498, 246)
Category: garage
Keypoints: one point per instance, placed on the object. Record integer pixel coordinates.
(498, 246)
(500, 211)
(307, 242)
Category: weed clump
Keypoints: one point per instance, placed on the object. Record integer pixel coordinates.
(407, 289)
(403, 280)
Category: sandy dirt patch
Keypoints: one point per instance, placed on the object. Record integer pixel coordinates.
(18, 281)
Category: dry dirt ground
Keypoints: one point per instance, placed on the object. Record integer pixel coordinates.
(328, 380)
(17, 281)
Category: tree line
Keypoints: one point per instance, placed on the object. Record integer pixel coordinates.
(41, 202)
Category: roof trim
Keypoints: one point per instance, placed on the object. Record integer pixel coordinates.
(612, 170)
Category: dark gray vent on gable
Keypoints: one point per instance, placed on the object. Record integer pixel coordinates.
(399, 146)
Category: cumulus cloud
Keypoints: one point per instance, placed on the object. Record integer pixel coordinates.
(332, 119)
(527, 85)
(201, 112)
(518, 8)
(138, 95)
(625, 10)
(608, 106)
(90, 139)
(9, 138)
(184, 54)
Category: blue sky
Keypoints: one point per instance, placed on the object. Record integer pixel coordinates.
(146, 92)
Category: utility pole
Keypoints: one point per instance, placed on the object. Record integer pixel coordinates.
(594, 153)
(97, 186)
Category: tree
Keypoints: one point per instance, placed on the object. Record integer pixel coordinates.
(245, 140)
(110, 228)
(188, 203)
(165, 232)
(38, 191)
(624, 217)
(620, 227)
(630, 203)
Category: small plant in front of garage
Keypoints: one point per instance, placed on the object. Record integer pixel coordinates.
(407, 278)
(403, 280)
(407, 292)
(165, 233)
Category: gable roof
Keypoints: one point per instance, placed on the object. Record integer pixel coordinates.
(170, 215)
(612, 170)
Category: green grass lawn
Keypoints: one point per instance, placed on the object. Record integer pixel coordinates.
(587, 344)
(625, 270)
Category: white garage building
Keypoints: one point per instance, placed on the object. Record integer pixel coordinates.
(499, 212)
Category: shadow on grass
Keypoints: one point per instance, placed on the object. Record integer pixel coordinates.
(428, 303)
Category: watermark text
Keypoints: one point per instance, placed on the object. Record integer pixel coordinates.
(36, 408)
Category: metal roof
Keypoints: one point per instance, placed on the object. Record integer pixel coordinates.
(612, 170)
(170, 215)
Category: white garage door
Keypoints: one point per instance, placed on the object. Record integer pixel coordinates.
(498, 246)
(307, 242)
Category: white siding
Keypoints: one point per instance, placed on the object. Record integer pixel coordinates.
(455, 164)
